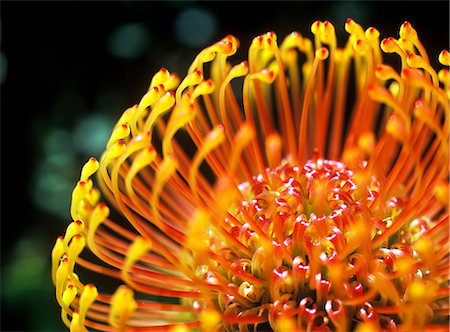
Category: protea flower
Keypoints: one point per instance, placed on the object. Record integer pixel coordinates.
(316, 200)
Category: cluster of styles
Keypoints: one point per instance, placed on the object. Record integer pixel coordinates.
(305, 189)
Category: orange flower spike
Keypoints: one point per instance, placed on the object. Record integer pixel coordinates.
(150, 98)
(76, 246)
(161, 107)
(211, 142)
(138, 248)
(75, 322)
(227, 46)
(75, 227)
(236, 71)
(99, 214)
(409, 33)
(69, 294)
(416, 61)
(324, 32)
(241, 212)
(143, 159)
(444, 58)
(190, 80)
(390, 45)
(165, 171)
(78, 194)
(320, 55)
(87, 297)
(60, 280)
(57, 252)
(120, 132)
(123, 306)
(260, 52)
(161, 77)
(354, 28)
(180, 118)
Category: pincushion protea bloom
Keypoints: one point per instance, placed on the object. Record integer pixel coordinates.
(315, 201)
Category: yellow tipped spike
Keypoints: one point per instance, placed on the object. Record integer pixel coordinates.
(165, 171)
(78, 193)
(192, 79)
(416, 61)
(75, 248)
(444, 58)
(293, 40)
(75, 322)
(238, 70)
(384, 72)
(100, 213)
(138, 248)
(361, 46)
(159, 78)
(354, 28)
(211, 142)
(151, 97)
(76, 227)
(172, 82)
(204, 88)
(163, 105)
(143, 159)
(325, 31)
(227, 46)
(390, 45)
(88, 296)
(408, 32)
(372, 34)
(89, 168)
(316, 27)
(322, 53)
(57, 252)
(264, 75)
(179, 119)
(120, 132)
(92, 196)
(61, 275)
(69, 294)
(444, 77)
(266, 41)
(123, 306)
(114, 151)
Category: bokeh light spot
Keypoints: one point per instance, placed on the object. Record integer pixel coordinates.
(54, 172)
(129, 41)
(92, 133)
(195, 27)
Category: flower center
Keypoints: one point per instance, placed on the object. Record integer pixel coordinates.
(309, 231)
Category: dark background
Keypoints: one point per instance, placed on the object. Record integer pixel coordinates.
(68, 70)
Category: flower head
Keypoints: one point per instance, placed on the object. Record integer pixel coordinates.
(315, 200)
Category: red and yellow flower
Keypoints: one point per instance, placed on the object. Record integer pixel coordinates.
(314, 198)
